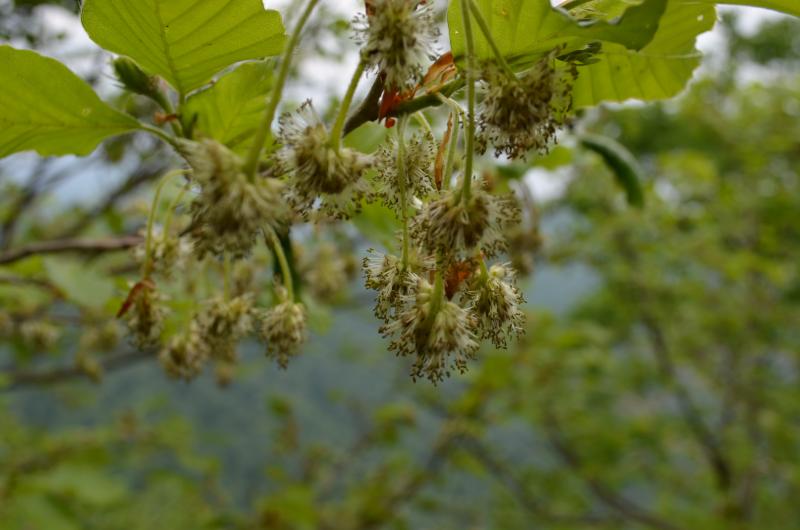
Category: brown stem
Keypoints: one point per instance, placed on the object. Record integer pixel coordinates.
(60, 246)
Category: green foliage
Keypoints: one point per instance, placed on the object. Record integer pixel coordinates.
(185, 42)
(230, 110)
(48, 109)
(625, 167)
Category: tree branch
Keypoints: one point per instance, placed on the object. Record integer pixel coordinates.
(17, 380)
(60, 246)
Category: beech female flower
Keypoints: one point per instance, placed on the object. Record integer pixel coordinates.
(450, 224)
(319, 171)
(420, 155)
(436, 331)
(283, 327)
(520, 114)
(397, 38)
(496, 302)
(231, 210)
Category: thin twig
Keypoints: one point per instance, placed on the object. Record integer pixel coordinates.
(60, 246)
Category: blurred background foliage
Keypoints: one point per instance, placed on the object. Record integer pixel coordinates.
(658, 385)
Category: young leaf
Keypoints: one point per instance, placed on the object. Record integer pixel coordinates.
(525, 29)
(47, 108)
(230, 110)
(621, 162)
(660, 70)
(185, 41)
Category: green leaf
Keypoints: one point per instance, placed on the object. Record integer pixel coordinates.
(660, 70)
(185, 41)
(230, 110)
(525, 29)
(47, 108)
(622, 61)
(622, 163)
(83, 285)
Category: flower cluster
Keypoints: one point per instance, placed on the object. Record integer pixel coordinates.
(496, 301)
(452, 223)
(523, 113)
(437, 332)
(231, 208)
(283, 327)
(397, 39)
(318, 171)
(145, 313)
(420, 155)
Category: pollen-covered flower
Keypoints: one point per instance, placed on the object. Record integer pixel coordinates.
(168, 252)
(450, 224)
(420, 155)
(318, 171)
(186, 354)
(144, 311)
(436, 331)
(223, 323)
(397, 38)
(496, 302)
(523, 113)
(284, 329)
(231, 209)
(385, 274)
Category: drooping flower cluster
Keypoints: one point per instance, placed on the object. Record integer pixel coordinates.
(420, 155)
(145, 314)
(437, 332)
(168, 252)
(223, 323)
(231, 209)
(496, 301)
(523, 113)
(318, 171)
(283, 327)
(452, 224)
(397, 39)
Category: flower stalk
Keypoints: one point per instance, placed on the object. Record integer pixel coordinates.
(470, 78)
(265, 128)
(338, 127)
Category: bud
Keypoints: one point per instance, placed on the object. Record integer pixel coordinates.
(134, 79)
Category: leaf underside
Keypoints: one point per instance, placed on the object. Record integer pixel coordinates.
(49, 109)
(185, 41)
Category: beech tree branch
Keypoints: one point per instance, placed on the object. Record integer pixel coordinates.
(17, 380)
(60, 246)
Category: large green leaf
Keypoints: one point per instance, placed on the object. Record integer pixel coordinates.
(660, 70)
(47, 108)
(230, 110)
(524, 29)
(185, 41)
